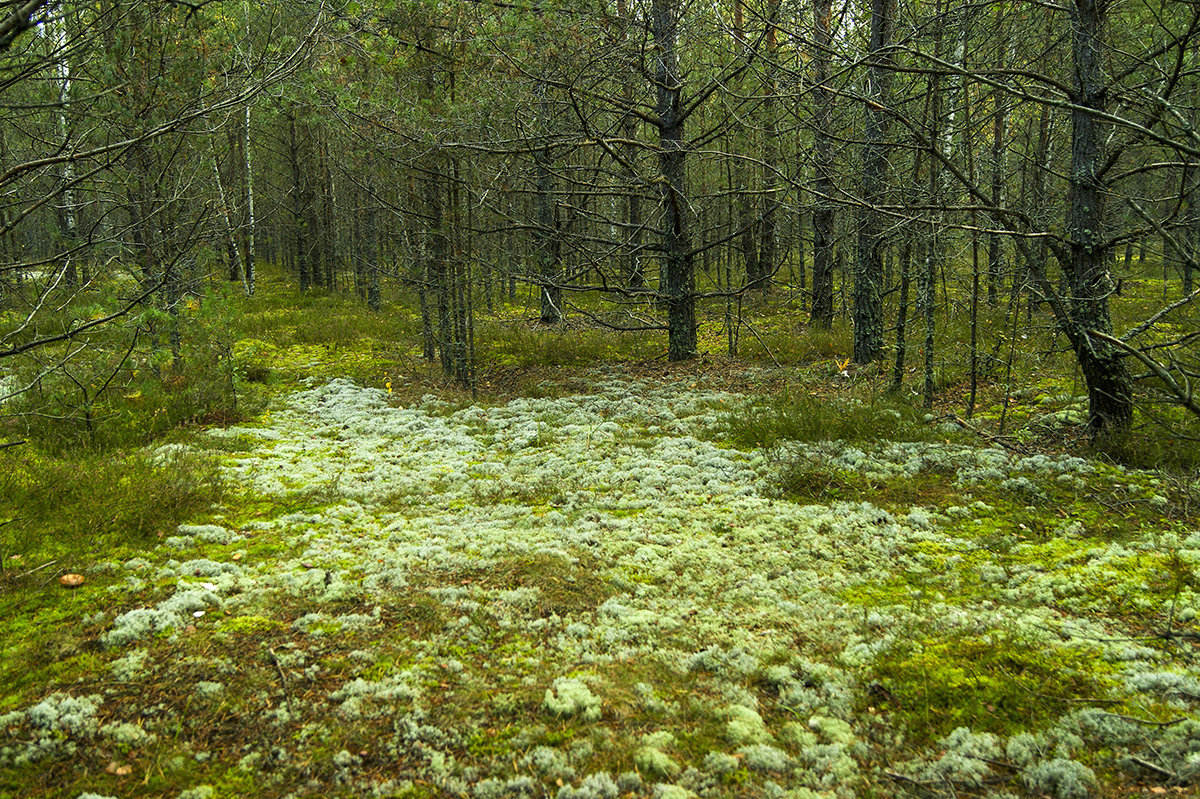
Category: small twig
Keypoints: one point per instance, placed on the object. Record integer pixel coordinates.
(1004, 441)
(38, 569)
(1157, 769)
(754, 333)
(997, 763)
(902, 778)
(8, 444)
(1089, 700)
(1148, 722)
(287, 694)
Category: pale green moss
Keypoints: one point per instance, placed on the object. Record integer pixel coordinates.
(655, 762)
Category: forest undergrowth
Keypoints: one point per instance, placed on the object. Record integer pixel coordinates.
(603, 576)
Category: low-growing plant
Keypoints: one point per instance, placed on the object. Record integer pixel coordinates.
(517, 344)
(1000, 683)
(73, 505)
(766, 421)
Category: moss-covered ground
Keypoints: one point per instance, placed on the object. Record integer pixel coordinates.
(602, 576)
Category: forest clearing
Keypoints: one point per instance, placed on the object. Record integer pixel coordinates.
(652, 399)
(621, 579)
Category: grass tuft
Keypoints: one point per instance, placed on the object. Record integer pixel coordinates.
(766, 421)
(90, 503)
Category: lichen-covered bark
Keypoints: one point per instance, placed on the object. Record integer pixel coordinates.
(672, 158)
(868, 262)
(822, 280)
(1110, 386)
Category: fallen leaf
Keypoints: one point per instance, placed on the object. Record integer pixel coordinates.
(119, 769)
(71, 580)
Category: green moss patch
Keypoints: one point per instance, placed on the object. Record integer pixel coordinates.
(990, 683)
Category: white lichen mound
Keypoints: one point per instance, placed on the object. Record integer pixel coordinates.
(571, 696)
(595, 786)
(170, 614)
(54, 727)
(1061, 778)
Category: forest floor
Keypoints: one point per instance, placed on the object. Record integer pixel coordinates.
(592, 583)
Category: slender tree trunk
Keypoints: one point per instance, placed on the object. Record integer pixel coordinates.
(235, 264)
(868, 262)
(799, 271)
(546, 232)
(248, 272)
(740, 148)
(370, 247)
(67, 208)
(1191, 223)
(677, 257)
(358, 246)
(439, 266)
(927, 280)
(823, 98)
(1110, 386)
(995, 268)
(635, 277)
(902, 316)
(461, 285)
(329, 236)
(770, 152)
(1035, 256)
(300, 202)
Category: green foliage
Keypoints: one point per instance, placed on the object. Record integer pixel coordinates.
(802, 479)
(519, 345)
(997, 683)
(768, 420)
(85, 503)
(1169, 445)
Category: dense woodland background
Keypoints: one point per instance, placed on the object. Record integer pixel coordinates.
(649, 399)
(970, 189)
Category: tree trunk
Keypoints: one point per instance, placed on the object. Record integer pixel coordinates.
(1191, 223)
(1110, 386)
(439, 266)
(546, 231)
(300, 202)
(868, 262)
(770, 181)
(823, 97)
(902, 317)
(60, 39)
(677, 256)
(370, 248)
(995, 269)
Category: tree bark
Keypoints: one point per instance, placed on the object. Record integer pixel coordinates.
(300, 202)
(868, 262)
(770, 155)
(1110, 386)
(677, 257)
(823, 98)
(546, 231)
